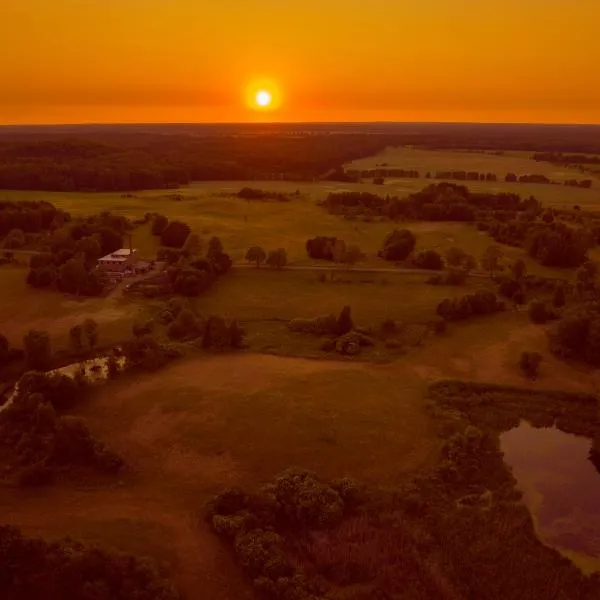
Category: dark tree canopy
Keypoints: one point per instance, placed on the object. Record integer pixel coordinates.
(398, 245)
(175, 234)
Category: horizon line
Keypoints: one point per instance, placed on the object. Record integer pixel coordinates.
(274, 123)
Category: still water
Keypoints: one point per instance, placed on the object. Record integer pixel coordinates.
(561, 487)
(94, 370)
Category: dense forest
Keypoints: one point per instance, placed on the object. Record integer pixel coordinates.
(125, 158)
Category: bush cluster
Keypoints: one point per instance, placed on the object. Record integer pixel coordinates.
(479, 303)
(256, 526)
(34, 568)
(41, 439)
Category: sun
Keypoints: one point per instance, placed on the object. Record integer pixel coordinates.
(263, 95)
(264, 98)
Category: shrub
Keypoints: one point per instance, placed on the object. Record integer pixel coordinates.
(538, 313)
(33, 568)
(428, 259)
(256, 255)
(36, 475)
(480, 303)
(159, 224)
(398, 245)
(220, 335)
(146, 328)
(306, 501)
(277, 259)
(456, 277)
(175, 234)
(388, 327)
(440, 326)
(38, 351)
(519, 298)
(577, 335)
(322, 247)
(509, 287)
(344, 322)
(328, 345)
(322, 325)
(558, 297)
(529, 363)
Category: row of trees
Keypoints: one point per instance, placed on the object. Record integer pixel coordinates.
(276, 259)
(333, 249)
(437, 202)
(479, 303)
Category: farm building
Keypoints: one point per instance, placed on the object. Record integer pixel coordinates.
(119, 260)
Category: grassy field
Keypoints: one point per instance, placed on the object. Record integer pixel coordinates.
(23, 308)
(240, 224)
(511, 162)
(251, 294)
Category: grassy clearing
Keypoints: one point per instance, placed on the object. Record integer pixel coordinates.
(23, 308)
(261, 294)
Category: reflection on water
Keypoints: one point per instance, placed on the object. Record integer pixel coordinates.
(94, 370)
(561, 486)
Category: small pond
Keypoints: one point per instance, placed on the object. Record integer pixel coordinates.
(561, 487)
(94, 370)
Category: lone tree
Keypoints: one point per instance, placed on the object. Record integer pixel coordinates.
(90, 329)
(76, 337)
(159, 224)
(491, 259)
(344, 322)
(530, 364)
(215, 248)
(175, 234)
(398, 245)
(538, 313)
(558, 297)
(38, 351)
(352, 256)
(192, 245)
(256, 254)
(4, 350)
(519, 268)
(457, 257)
(72, 276)
(277, 259)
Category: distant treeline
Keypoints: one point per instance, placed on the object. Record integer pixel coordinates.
(128, 158)
(150, 161)
(380, 172)
(558, 158)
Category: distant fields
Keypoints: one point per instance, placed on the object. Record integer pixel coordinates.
(511, 162)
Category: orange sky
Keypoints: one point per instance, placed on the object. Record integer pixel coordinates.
(69, 61)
